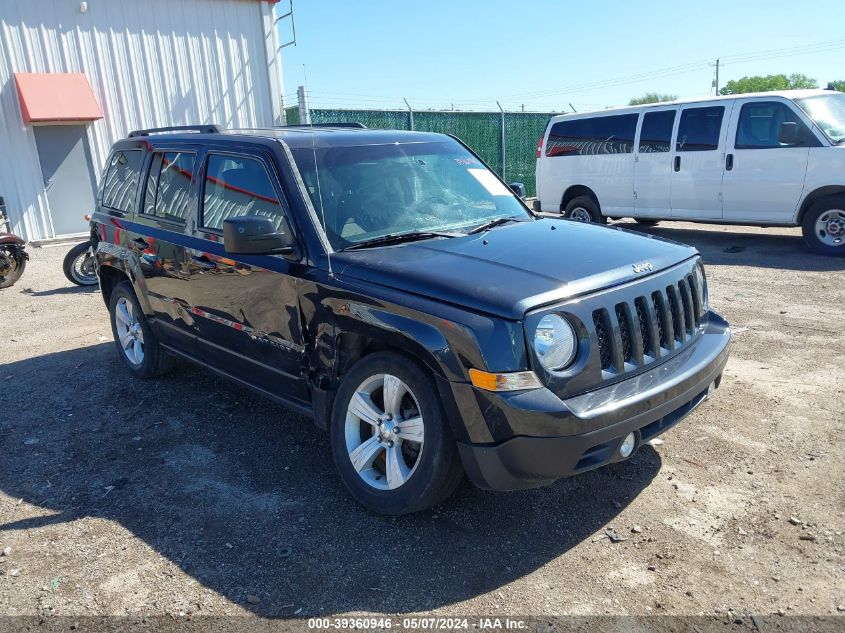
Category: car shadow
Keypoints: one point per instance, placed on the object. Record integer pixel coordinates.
(243, 496)
(743, 246)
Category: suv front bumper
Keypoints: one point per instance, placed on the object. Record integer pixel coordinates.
(592, 426)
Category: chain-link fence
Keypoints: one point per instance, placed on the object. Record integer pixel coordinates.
(505, 141)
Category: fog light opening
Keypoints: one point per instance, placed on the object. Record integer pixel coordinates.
(627, 446)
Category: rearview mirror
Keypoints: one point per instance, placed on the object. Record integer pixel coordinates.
(789, 133)
(256, 235)
(519, 189)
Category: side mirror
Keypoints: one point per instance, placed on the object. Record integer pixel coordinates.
(789, 133)
(519, 189)
(256, 235)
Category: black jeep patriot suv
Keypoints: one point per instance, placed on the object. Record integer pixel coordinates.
(393, 288)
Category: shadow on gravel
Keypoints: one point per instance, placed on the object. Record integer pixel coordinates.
(737, 248)
(64, 290)
(242, 495)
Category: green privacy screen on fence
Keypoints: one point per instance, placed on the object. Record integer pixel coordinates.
(482, 131)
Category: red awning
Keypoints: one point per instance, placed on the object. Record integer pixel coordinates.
(56, 97)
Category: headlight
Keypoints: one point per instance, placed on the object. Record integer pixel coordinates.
(701, 288)
(554, 342)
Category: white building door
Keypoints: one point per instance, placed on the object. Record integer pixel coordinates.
(68, 173)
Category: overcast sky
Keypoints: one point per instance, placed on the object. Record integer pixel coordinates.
(546, 54)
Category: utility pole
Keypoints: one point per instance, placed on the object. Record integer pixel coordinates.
(304, 106)
(717, 77)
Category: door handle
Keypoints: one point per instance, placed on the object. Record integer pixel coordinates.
(729, 162)
(203, 262)
(677, 163)
(141, 243)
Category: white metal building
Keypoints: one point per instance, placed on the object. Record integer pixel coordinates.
(76, 75)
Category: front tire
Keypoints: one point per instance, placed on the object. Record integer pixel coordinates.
(78, 265)
(389, 437)
(136, 343)
(584, 209)
(823, 226)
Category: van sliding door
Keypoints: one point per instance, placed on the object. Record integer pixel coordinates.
(653, 163)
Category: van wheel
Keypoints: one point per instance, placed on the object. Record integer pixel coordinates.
(584, 209)
(824, 226)
(389, 437)
(136, 344)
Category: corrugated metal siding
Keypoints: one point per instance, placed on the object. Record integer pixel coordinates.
(150, 63)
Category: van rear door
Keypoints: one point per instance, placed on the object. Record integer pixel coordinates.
(697, 162)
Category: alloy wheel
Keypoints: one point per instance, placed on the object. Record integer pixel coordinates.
(129, 331)
(384, 432)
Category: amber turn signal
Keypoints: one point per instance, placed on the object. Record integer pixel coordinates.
(512, 381)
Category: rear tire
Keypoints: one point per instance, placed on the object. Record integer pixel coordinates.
(136, 343)
(584, 209)
(823, 226)
(10, 279)
(76, 267)
(389, 437)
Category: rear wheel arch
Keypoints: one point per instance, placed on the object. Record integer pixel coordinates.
(577, 190)
(816, 195)
(110, 277)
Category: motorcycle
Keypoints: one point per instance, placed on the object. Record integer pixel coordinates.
(79, 265)
(13, 255)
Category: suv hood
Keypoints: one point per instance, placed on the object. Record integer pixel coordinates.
(516, 267)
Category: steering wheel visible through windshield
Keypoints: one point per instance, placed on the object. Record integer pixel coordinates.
(365, 192)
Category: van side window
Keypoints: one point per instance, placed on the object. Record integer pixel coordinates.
(759, 125)
(593, 136)
(656, 133)
(236, 186)
(699, 129)
(121, 181)
(168, 194)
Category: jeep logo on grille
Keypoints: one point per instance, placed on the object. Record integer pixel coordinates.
(644, 267)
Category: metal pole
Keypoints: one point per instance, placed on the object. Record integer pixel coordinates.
(502, 137)
(410, 114)
(304, 110)
(283, 115)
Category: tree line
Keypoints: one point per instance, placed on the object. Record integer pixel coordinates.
(755, 83)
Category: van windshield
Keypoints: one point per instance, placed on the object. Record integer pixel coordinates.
(369, 191)
(828, 112)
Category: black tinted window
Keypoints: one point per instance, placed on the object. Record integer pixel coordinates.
(168, 193)
(121, 181)
(236, 186)
(759, 124)
(592, 136)
(699, 129)
(656, 134)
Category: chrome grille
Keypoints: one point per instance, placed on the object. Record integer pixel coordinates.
(633, 334)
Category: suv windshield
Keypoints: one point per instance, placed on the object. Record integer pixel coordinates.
(368, 191)
(828, 112)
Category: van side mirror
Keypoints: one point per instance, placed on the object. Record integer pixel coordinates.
(256, 235)
(789, 133)
(519, 189)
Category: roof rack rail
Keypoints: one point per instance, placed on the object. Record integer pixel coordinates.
(349, 124)
(200, 129)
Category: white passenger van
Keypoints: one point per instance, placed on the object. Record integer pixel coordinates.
(767, 159)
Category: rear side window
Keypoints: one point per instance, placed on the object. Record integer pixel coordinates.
(235, 186)
(168, 193)
(593, 136)
(656, 133)
(759, 125)
(121, 182)
(699, 129)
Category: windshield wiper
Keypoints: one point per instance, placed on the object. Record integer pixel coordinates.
(398, 238)
(491, 224)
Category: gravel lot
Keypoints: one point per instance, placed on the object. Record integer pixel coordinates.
(187, 495)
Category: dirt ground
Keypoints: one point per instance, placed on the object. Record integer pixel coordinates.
(188, 495)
